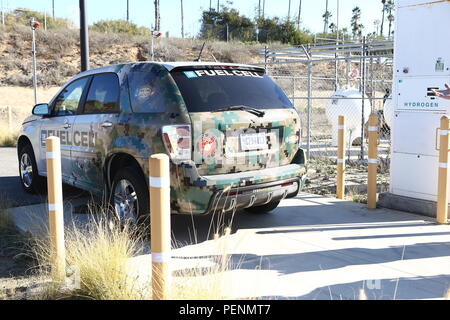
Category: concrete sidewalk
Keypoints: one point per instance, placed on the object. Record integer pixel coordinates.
(314, 247)
(320, 248)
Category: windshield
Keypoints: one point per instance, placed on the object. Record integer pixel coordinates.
(212, 89)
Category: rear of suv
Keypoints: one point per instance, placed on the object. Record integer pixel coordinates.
(232, 135)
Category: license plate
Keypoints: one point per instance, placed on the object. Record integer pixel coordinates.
(253, 141)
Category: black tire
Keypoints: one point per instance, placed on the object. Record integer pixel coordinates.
(137, 182)
(266, 208)
(35, 185)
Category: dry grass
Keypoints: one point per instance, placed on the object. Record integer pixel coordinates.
(22, 98)
(99, 253)
(8, 138)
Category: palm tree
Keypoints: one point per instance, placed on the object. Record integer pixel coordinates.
(357, 27)
(382, 19)
(326, 18)
(333, 27)
(390, 8)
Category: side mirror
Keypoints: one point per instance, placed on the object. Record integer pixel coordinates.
(41, 109)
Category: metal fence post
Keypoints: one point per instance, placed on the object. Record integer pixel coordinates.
(372, 162)
(363, 95)
(55, 208)
(309, 110)
(340, 179)
(34, 63)
(442, 196)
(159, 186)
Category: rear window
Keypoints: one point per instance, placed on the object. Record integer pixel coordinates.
(212, 89)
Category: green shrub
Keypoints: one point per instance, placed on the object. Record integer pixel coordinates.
(120, 26)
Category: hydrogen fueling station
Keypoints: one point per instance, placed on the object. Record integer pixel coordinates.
(421, 64)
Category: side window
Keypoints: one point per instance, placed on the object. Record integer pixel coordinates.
(147, 91)
(66, 103)
(103, 96)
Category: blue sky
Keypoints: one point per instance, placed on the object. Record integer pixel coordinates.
(142, 11)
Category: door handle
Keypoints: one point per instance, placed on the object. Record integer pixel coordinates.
(106, 124)
(66, 124)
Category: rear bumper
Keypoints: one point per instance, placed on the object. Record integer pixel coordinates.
(195, 194)
(256, 195)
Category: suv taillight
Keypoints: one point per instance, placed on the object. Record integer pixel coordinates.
(177, 140)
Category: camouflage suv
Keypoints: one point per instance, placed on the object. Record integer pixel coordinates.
(232, 135)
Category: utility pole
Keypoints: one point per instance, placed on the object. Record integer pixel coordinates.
(263, 8)
(34, 25)
(299, 14)
(337, 20)
(259, 9)
(289, 11)
(128, 10)
(53, 10)
(84, 37)
(182, 20)
(157, 16)
(218, 5)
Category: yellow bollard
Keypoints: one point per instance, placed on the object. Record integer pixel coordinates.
(340, 179)
(442, 196)
(159, 185)
(372, 162)
(55, 208)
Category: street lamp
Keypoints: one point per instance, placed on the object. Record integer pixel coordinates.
(34, 25)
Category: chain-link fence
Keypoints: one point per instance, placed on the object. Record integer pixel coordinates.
(323, 82)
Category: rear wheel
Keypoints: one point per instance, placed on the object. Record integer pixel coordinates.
(129, 196)
(30, 180)
(266, 208)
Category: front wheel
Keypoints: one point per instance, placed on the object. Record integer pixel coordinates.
(266, 208)
(30, 180)
(129, 196)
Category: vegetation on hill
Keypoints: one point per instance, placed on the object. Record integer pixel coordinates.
(120, 26)
(58, 53)
(22, 16)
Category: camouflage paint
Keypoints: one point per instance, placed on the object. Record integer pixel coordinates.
(192, 183)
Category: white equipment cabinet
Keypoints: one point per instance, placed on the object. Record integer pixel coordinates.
(421, 62)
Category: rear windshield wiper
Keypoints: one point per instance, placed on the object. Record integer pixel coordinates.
(254, 111)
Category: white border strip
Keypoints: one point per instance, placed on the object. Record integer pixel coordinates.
(55, 207)
(373, 161)
(161, 257)
(158, 182)
(53, 155)
(443, 165)
(373, 129)
(444, 132)
(340, 160)
(341, 127)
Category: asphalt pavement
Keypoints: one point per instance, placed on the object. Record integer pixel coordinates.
(12, 191)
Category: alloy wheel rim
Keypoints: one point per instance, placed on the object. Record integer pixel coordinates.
(26, 170)
(125, 201)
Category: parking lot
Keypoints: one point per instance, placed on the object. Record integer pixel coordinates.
(311, 247)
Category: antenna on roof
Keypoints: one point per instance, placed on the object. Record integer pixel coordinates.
(214, 57)
(199, 59)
